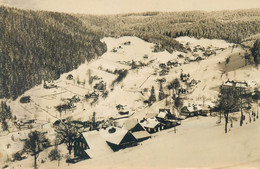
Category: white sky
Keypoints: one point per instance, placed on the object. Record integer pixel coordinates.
(126, 6)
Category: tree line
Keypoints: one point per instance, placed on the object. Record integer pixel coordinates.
(40, 45)
(161, 28)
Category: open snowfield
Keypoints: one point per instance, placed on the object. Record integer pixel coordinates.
(197, 143)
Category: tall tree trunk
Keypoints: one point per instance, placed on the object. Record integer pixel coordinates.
(249, 117)
(241, 119)
(70, 148)
(219, 116)
(35, 161)
(226, 121)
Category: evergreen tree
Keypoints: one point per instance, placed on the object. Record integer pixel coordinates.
(152, 97)
(256, 52)
(161, 95)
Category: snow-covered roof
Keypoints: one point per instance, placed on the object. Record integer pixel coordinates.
(198, 108)
(141, 134)
(243, 85)
(151, 115)
(162, 114)
(97, 145)
(114, 137)
(150, 123)
(228, 83)
(130, 123)
(252, 84)
(190, 109)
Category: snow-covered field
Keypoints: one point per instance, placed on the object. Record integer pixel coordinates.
(197, 143)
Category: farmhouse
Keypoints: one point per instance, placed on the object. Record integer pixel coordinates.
(91, 145)
(118, 138)
(136, 129)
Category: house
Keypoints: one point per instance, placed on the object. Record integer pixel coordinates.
(137, 130)
(184, 77)
(182, 91)
(80, 145)
(91, 145)
(145, 56)
(74, 99)
(164, 114)
(122, 110)
(101, 86)
(172, 64)
(193, 82)
(152, 125)
(205, 110)
(118, 138)
(164, 72)
(162, 65)
(166, 118)
(256, 95)
(190, 111)
(49, 85)
(180, 56)
(94, 95)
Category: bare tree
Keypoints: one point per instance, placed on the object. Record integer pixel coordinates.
(175, 84)
(55, 155)
(67, 132)
(35, 143)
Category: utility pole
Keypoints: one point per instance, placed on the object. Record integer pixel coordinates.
(240, 95)
(257, 109)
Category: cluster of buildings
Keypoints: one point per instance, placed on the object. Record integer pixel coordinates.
(96, 143)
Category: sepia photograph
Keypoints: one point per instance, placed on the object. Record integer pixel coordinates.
(129, 84)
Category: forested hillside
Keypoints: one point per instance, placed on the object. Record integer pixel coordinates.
(38, 46)
(158, 27)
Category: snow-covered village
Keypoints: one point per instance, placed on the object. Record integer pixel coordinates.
(139, 103)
